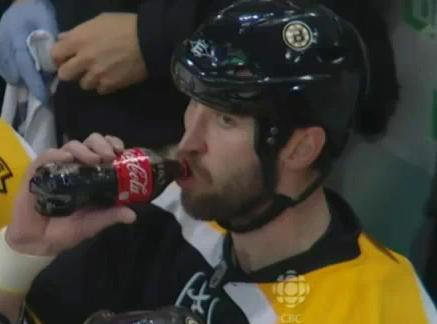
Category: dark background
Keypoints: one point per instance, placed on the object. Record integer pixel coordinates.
(3, 5)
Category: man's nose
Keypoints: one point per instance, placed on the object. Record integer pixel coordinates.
(194, 139)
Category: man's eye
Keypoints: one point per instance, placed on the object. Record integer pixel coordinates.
(225, 120)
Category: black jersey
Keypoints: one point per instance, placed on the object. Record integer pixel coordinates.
(168, 258)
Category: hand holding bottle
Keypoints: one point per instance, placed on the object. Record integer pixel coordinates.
(34, 234)
(136, 175)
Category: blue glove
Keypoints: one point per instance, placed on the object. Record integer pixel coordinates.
(17, 66)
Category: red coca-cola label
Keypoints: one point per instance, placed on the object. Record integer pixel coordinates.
(135, 179)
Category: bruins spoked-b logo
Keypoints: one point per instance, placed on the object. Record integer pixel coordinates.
(297, 35)
(5, 174)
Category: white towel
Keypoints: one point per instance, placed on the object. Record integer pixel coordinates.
(31, 119)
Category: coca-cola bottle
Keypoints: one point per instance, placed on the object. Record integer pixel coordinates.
(138, 175)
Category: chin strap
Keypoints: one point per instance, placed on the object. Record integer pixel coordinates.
(278, 205)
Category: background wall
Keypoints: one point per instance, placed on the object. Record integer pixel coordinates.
(388, 182)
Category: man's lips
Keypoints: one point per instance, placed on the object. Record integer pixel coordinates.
(194, 174)
(187, 179)
(187, 172)
(186, 183)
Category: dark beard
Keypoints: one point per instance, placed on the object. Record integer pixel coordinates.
(235, 199)
(237, 206)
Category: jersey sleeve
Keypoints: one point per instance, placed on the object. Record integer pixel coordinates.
(99, 274)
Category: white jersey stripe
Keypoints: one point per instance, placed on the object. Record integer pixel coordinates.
(201, 235)
(430, 310)
(30, 152)
(252, 302)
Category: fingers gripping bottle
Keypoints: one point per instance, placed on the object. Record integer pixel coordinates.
(138, 175)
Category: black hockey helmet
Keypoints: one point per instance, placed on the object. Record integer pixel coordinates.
(289, 64)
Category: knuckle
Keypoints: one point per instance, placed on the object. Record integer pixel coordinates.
(75, 38)
(46, 156)
(51, 154)
(63, 73)
(95, 135)
(105, 86)
(93, 139)
(104, 83)
(85, 84)
(71, 144)
(51, 151)
(68, 71)
(114, 139)
(97, 72)
(56, 53)
(87, 59)
(109, 138)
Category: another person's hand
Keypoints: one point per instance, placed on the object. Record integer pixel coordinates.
(16, 64)
(103, 53)
(34, 234)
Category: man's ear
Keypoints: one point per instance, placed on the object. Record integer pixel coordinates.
(303, 148)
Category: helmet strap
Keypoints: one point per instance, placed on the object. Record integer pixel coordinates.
(279, 203)
(267, 146)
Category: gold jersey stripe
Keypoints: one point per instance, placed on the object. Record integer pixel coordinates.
(14, 160)
(373, 288)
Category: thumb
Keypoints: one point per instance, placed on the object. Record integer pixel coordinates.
(99, 219)
(31, 77)
(125, 215)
